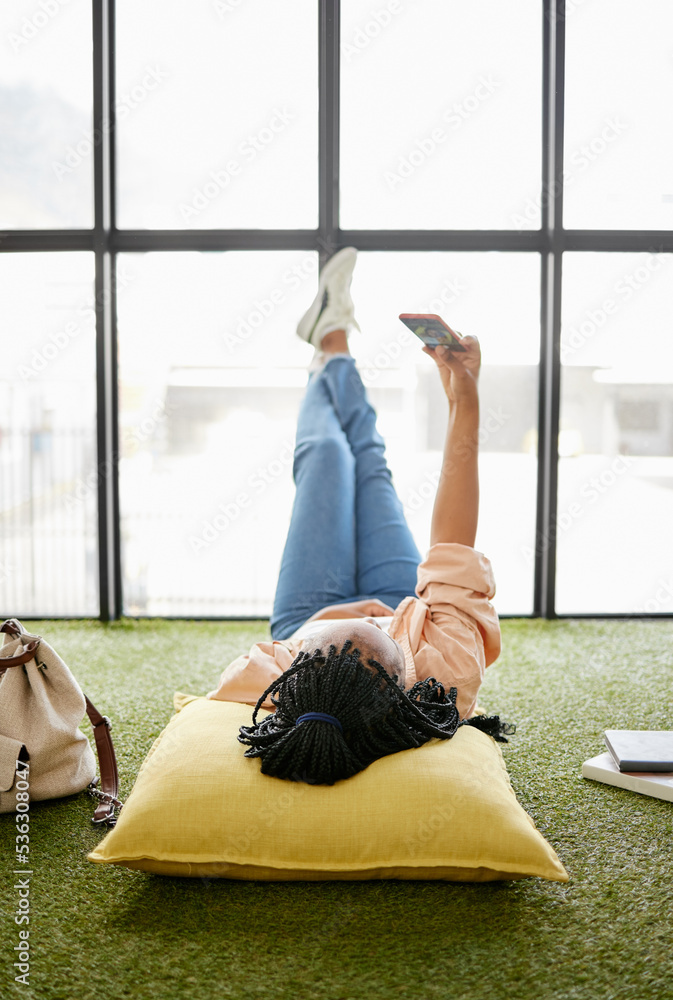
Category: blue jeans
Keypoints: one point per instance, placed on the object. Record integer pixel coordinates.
(348, 538)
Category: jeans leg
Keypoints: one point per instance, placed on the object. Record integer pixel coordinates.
(319, 560)
(387, 555)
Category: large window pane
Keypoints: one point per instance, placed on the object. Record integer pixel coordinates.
(46, 136)
(211, 376)
(217, 111)
(619, 129)
(440, 114)
(48, 466)
(496, 298)
(211, 383)
(615, 522)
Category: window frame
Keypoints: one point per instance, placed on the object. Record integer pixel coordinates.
(551, 241)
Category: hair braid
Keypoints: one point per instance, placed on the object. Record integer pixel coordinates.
(378, 717)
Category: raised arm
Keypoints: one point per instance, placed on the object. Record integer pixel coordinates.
(456, 510)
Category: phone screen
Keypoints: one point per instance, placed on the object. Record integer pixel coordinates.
(432, 330)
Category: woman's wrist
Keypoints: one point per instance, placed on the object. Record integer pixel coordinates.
(466, 397)
(464, 416)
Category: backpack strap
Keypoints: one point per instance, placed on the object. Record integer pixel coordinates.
(17, 661)
(15, 629)
(109, 777)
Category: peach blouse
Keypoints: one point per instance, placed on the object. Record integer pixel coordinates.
(449, 631)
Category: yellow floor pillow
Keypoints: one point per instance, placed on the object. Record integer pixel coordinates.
(445, 810)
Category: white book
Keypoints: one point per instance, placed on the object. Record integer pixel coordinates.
(603, 768)
(641, 749)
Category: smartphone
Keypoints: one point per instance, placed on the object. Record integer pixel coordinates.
(432, 330)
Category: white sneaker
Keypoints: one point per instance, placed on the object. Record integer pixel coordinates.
(332, 308)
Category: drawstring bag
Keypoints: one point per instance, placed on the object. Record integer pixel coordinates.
(41, 744)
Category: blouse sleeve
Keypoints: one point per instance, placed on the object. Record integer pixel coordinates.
(458, 636)
(247, 678)
(457, 581)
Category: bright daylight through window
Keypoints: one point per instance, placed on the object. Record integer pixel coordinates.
(497, 164)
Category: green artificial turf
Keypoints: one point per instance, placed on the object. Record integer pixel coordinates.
(99, 931)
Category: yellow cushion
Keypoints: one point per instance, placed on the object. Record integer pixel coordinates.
(445, 810)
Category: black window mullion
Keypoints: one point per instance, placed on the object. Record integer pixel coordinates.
(106, 375)
(550, 306)
(114, 367)
(619, 240)
(329, 27)
(170, 240)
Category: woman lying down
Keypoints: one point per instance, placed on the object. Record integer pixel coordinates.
(373, 650)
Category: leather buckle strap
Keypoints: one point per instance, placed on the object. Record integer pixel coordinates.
(109, 776)
(25, 656)
(13, 627)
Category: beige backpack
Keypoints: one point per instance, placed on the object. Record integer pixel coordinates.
(43, 752)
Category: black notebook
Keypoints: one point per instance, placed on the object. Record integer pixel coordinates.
(641, 749)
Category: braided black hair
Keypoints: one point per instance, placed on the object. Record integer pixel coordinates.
(378, 717)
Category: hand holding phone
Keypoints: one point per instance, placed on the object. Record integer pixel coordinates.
(432, 330)
(459, 365)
